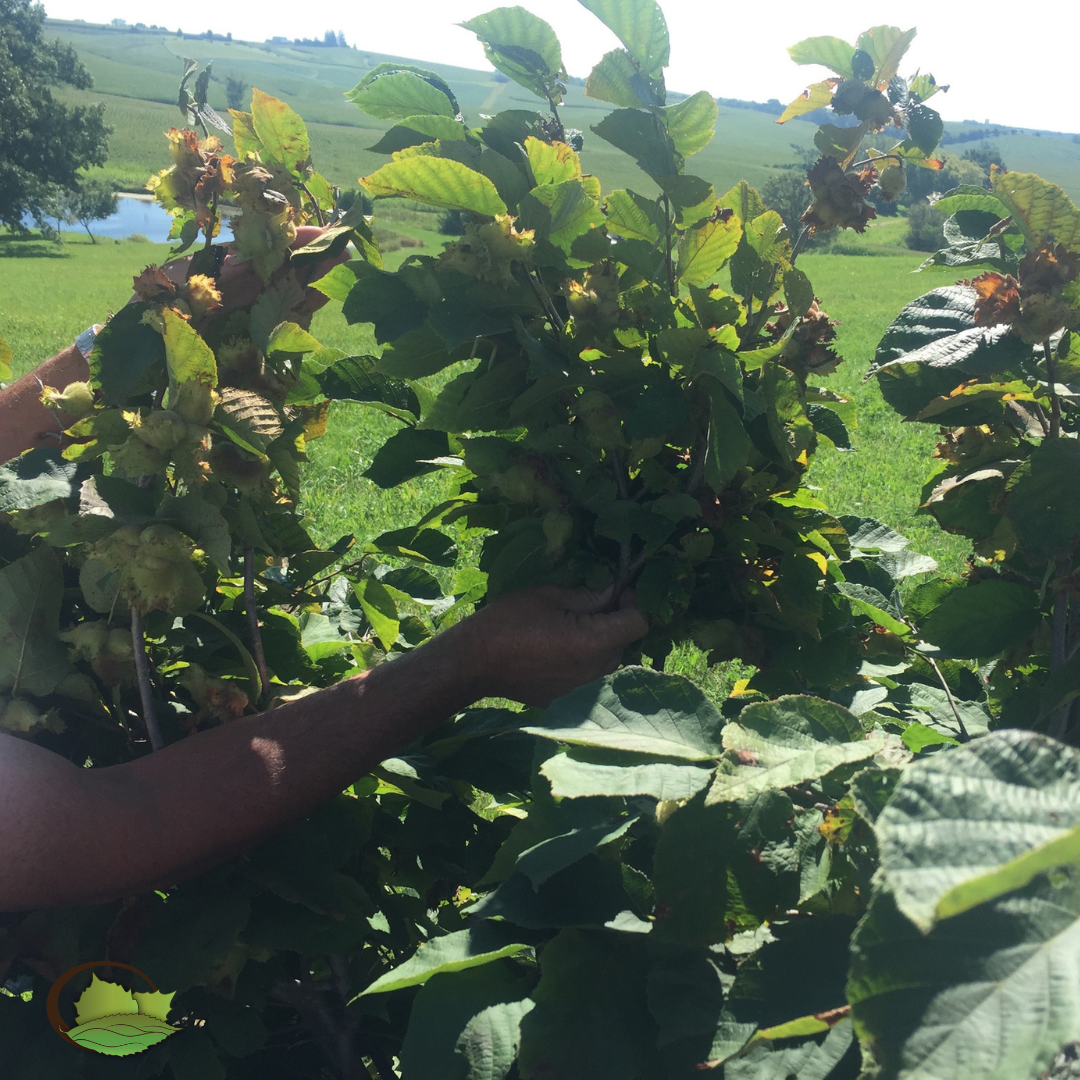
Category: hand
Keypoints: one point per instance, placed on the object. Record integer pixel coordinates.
(535, 645)
(241, 286)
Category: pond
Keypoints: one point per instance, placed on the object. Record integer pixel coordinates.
(135, 215)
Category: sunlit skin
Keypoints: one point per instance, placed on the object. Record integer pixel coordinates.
(71, 835)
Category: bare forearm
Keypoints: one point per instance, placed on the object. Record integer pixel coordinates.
(153, 821)
(24, 422)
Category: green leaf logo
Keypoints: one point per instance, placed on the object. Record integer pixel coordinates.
(112, 1020)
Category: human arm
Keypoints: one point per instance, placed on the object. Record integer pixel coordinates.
(70, 835)
(25, 423)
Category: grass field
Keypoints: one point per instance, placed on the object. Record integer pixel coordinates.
(51, 294)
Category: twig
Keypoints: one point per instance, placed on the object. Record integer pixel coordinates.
(253, 621)
(672, 288)
(314, 205)
(1055, 401)
(560, 131)
(142, 671)
(546, 302)
(799, 243)
(1059, 632)
(962, 730)
(620, 475)
(697, 469)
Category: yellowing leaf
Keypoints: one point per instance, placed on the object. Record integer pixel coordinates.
(282, 133)
(155, 1004)
(815, 96)
(192, 370)
(6, 356)
(103, 998)
(1041, 209)
(119, 1036)
(437, 182)
(187, 355)
(552, 163)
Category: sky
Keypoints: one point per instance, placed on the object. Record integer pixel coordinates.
(736, 50)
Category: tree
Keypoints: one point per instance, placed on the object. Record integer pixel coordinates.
(92, 200)
(984, 155)
(234, 92)
(41, 140)
(788, 195)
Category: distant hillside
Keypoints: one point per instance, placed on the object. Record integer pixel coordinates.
(136, 73)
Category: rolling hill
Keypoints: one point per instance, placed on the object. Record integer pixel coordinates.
(136, 74)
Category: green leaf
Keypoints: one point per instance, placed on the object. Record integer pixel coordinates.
(1042, 210)
(399, 94)
(640, 26)
(189, 358)
(416, 130)
(641, 136)
(632, 216)
(554, 853)
(37, 477)
(185, 938)
(6, 356)
(444, 1009)
(982, 619)
(560, 213)
(886, 46)
(1042, 498)
(933, 345)
(282, 133)
(617, 78)
(591, 1019)
(202, 521)
(958, 822)
(491, 1039)
(572, 778)
(124, 350)
(423, 545)
(692, 123)
(704, 250)
(381, 611)
(32, 659)
(118, 1036)
(289, 337)
(810, 1059)
(437, 182)
(729, 444)
(356, 378)
(791, 740)
(480, 944)
(637, 710)
(193, 1057)
(408, 453)
(830, 52)
(690, 875)
(874, 605)
(522, 46)
(988, 995)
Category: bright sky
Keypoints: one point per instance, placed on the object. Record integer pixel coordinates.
(721, 48)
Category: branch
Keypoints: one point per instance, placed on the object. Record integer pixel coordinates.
(146, 689)
(253, 621)
(1055, 401)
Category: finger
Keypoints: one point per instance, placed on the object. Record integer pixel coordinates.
(622, 627)
(628, 598)
(586, 601)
